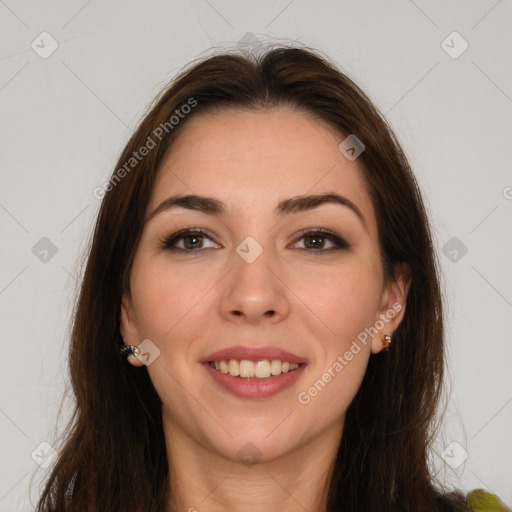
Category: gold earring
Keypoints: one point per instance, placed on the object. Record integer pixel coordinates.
(387, 342)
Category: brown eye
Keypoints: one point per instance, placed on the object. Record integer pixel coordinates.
(187, 240)
(317, 240)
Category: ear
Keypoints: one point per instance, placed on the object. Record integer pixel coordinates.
(129, 328)
(392, 307)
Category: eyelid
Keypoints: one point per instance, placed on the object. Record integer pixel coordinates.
(168, 242)
(336, 239)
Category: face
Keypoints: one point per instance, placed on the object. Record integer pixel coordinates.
(256, 270)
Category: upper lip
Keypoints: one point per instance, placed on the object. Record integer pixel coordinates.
(253, 354)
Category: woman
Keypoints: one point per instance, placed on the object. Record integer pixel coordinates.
(264, 259)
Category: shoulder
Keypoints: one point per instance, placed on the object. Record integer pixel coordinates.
(479, 500)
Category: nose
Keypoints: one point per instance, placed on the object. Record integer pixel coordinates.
(255, 292)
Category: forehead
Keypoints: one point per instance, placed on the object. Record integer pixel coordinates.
(264, 155)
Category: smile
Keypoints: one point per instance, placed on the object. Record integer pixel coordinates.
(255, 387)
(254, 369)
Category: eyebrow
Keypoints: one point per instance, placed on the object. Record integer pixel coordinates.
(213, 206)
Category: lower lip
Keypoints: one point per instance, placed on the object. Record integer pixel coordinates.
(247, 387)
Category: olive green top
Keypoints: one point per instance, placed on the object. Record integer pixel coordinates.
(479, 500)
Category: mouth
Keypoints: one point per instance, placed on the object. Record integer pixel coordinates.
(254, 372)
(262, 384)
(247, 369)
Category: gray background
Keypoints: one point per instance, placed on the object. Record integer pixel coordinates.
(65, 119)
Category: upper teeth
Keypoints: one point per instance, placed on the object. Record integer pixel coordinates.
(261, 369)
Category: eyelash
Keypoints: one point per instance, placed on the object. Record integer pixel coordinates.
(169, 242)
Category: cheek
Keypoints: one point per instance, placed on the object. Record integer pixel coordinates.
(344, 300)
(345, 304)
(166, 298)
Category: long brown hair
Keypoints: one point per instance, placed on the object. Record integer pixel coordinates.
(113, 457)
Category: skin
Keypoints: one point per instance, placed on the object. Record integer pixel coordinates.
(190, 304)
